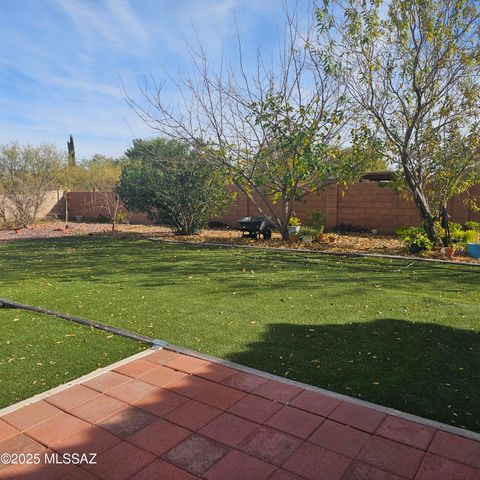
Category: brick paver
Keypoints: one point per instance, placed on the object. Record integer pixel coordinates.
(177, 417)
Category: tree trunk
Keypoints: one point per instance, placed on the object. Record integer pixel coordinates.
(447, 239)
(285, 220)
(66, 209)
(423, 207)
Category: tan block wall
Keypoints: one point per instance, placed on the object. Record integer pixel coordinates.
(369, 205)
(92, 205)
(50, 206)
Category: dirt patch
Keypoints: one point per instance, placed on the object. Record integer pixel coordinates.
(351, 243)
(57, 228)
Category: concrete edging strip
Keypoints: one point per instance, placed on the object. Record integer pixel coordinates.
(4, 303)
(314, 252)
(75, 381)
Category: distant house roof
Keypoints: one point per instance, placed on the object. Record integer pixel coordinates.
(379, 176)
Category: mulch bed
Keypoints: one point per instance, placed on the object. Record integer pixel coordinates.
(347, 243)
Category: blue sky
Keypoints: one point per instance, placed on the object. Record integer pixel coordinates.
(61, 61)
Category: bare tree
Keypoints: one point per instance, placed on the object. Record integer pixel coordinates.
(27, 174)
(110, 204)
(277, 129)
(3, 208)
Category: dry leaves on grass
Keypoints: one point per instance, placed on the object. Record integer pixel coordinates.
(351, 243)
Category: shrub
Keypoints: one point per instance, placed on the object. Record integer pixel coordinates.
(472, 236)
(169, 181)
(415, 238)
(310, 232)
(472, 226)
(316, 220)
(457, 235)
(120, 216)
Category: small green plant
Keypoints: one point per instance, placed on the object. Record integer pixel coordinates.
(121, 216)
(472, 236)
(316, 219)
(294, 222)
(415, 238)
(472, 226)
(457, 235)
(405, 232)
(310, 232)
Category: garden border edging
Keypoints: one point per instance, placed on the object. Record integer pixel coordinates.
(321, 252)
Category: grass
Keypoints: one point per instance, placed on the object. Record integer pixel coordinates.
(401, 334)
(38, 352)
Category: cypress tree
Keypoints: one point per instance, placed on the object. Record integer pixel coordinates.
(71, 152)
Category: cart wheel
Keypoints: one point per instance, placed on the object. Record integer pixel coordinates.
(267, 234)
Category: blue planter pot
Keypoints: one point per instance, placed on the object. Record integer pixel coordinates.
(473, 249)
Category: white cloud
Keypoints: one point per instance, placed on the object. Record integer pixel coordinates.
(60, 64)
(128, 20)
(113, 22)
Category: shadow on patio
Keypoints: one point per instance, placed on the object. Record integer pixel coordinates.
(172, 416)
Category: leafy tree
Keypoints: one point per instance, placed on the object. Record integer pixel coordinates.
(99, 173)
(27, 174)
(277, 132)
(411, 70)
(71, 152)
(167, 180)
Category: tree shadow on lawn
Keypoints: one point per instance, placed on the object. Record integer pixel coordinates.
(156, 264)
(424, 369)
(152, 414)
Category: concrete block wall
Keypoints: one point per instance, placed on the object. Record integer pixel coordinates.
(51, 205)
(92, 205)
(369, 204)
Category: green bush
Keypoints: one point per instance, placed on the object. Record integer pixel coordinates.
(168, 181)
(415, 238)
(403, 233)
(316, 219)
(121, 216)
(310, 232)
(472, 236)
(417, 241)
(472, 226)
(457, 234)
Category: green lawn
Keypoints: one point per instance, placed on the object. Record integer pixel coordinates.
(389, 331)
(38, 352)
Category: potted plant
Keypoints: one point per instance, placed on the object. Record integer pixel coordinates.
(448, 252)
(293, 225)
(294, 238)
(308, 234)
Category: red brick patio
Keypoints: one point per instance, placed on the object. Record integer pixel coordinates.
(172, 417)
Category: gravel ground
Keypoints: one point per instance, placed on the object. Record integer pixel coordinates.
(57, 229)
(352, 243)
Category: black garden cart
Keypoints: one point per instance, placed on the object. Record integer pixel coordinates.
(253, 227)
